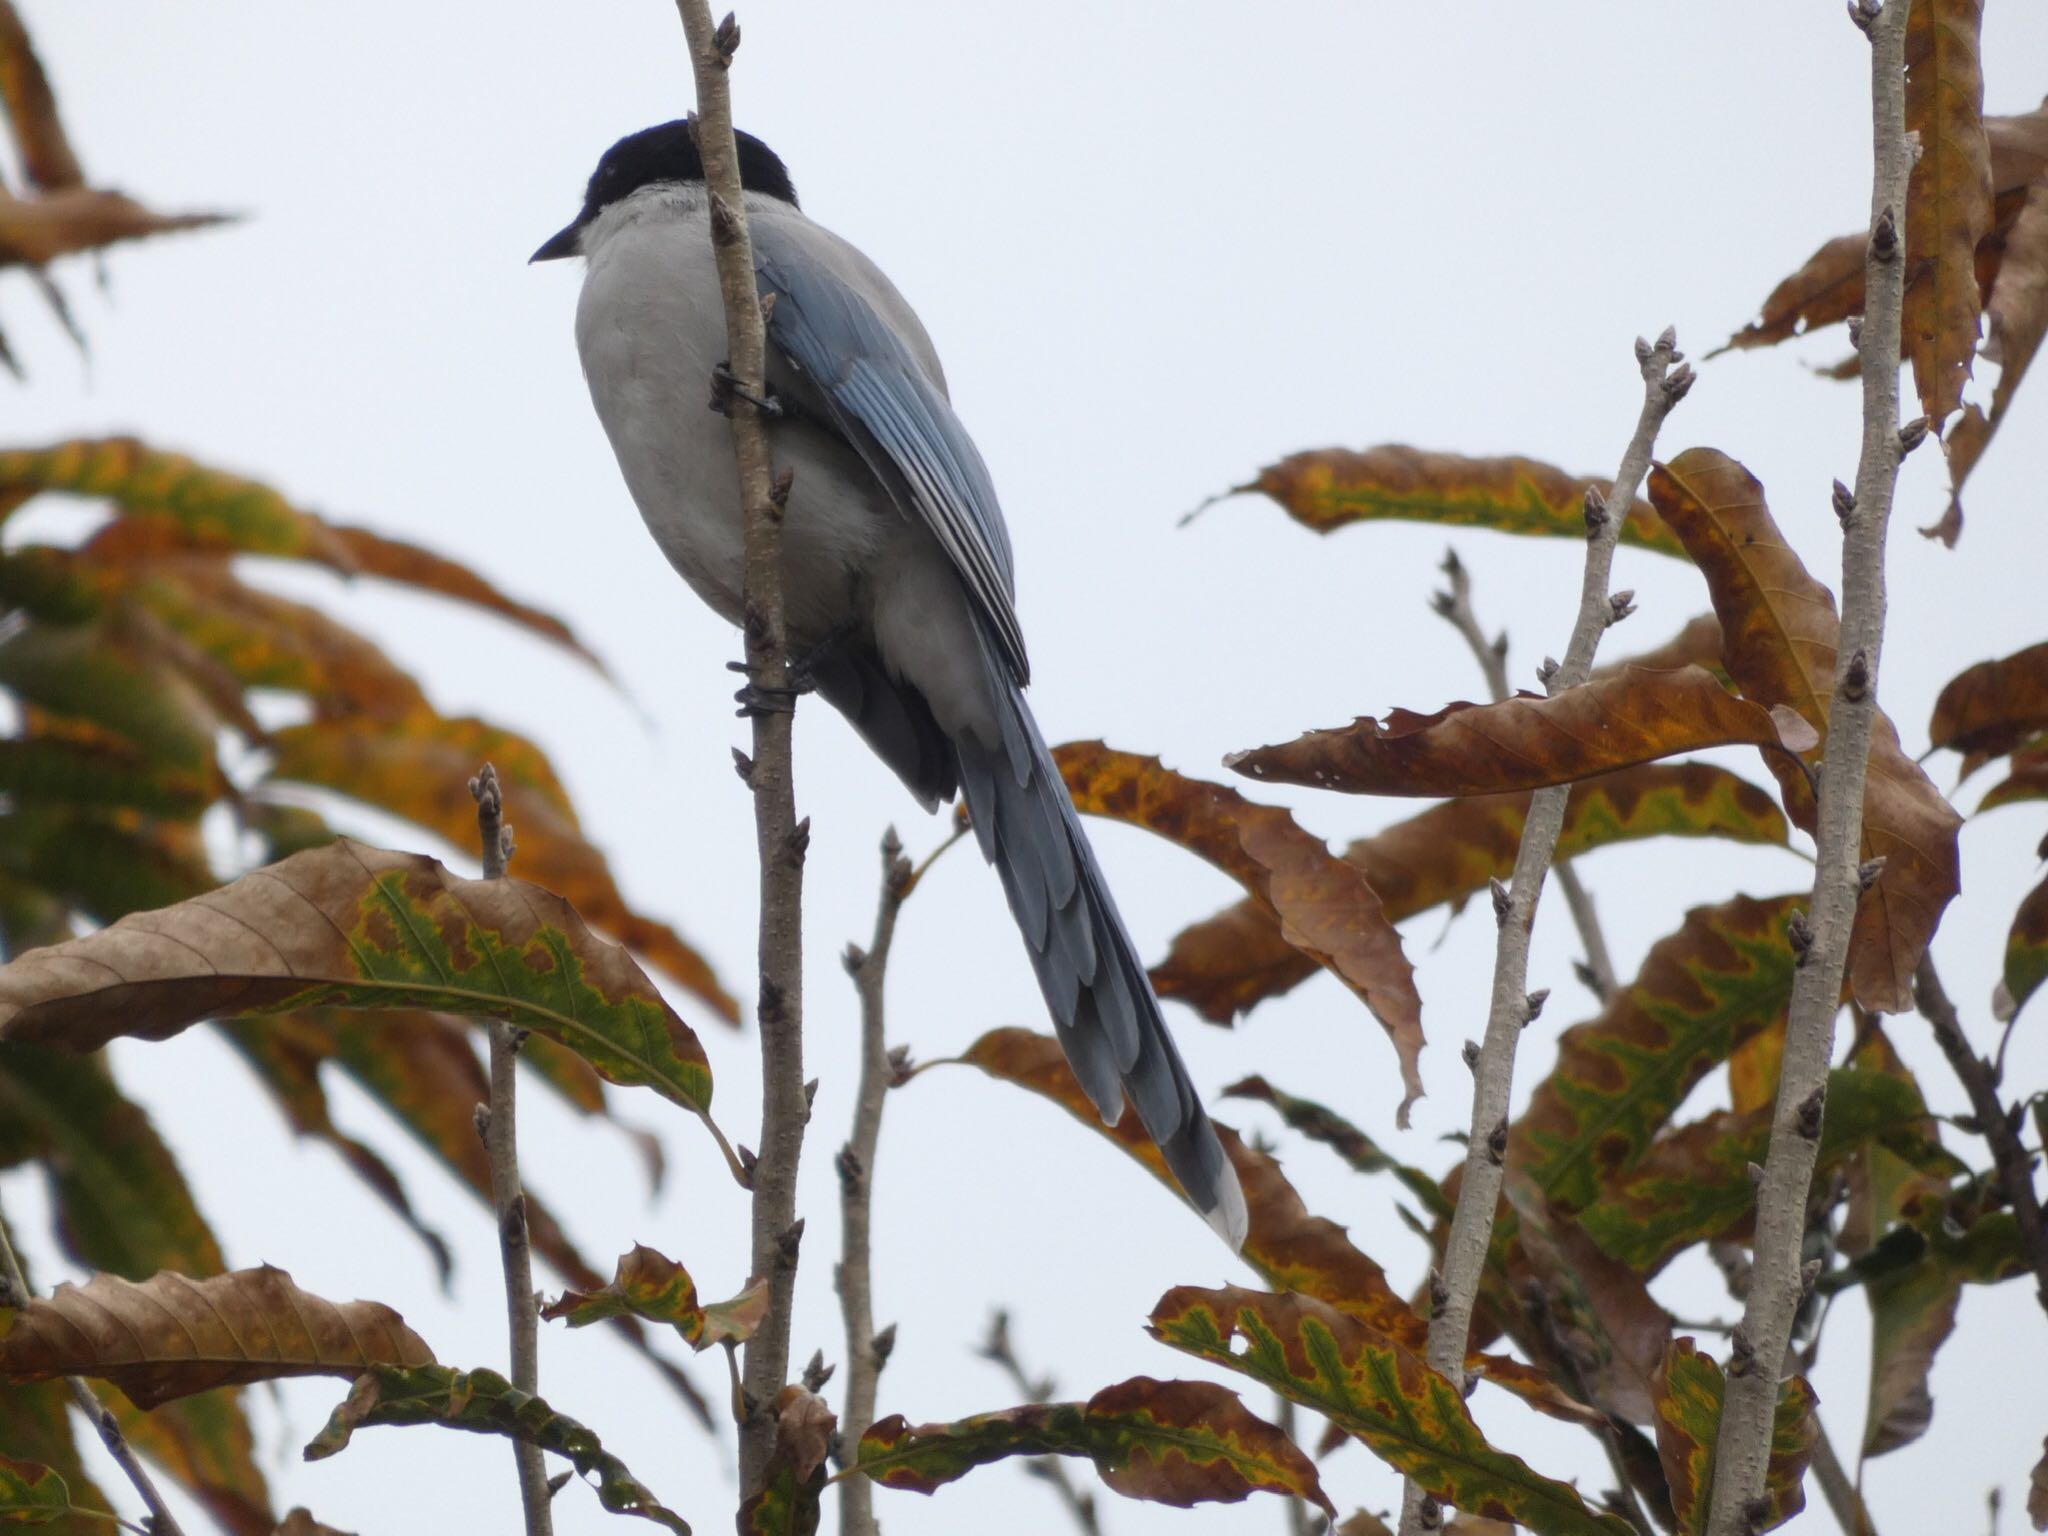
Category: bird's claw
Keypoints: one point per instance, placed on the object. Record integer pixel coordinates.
(726, 387)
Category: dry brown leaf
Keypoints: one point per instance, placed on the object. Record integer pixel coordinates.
(168, 1337)
(1226, 964)
(1527, 742)
(1948, 202)
(2017, 319)
(1324, 906)
(47, 159)
(36, 231)
(1779, 632)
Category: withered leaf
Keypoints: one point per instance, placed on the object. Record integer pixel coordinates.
(1226, 964)
(1987, 710)
(1325, 908)
(1527, 742)
(1948, 200)
(47, 159)
(1779, 632)
(168, 1337)
(36, 231)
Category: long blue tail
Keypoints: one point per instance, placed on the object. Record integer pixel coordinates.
(1102, 1004)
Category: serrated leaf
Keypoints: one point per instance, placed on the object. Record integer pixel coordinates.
(660, 1290)
(1375, 1389)
(169, 1337)
(1779, 632)
(1174, 1442)
(1350, 1143)
(30, 1493)
(1723, 976)
(1689, 1423)
(414, 767)
(1331, 488)
(1527, 742)
(1692, 1183)
(483, 1402)
(1227, 964)
(354, 926)
(1323, 906)
(1948, 199)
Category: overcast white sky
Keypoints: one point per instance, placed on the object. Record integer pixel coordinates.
(1158, 246)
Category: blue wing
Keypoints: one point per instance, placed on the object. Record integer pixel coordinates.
(898, 420)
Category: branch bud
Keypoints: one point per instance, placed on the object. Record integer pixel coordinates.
(1679, 384)
(1884, 235)
(1755, 1172)
(1501, 900)
(1809, 1275)
(1667, 341)
(884, 1345)
(1807, 1118)
(1856, 677)
(1471, 1055)
(1439, 1292)
(900, 1069)
(849, 1168)
(778, 491)
(817, 1372)
(1799, 934)
(1868, 873)
(1845, 504)
(1533, 1006)
(1547, 669)
(1497, 1142)
(1912, 435)
(786, 1245)
(1642, 350)
(726, 42)
(854, 958)
(1620, 605)
(1741, 1353)
(1596, 506)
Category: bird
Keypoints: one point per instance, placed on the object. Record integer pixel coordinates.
(898, 581)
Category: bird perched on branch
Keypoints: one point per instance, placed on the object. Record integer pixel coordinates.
(897, 583)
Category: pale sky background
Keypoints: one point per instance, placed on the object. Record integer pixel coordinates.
(1158, 246)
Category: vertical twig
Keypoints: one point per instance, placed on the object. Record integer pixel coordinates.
(1454, 606)
(866, 1350)
(1779, 1278)
(498, 1124)
(1037, 1389)
(162, 1522)
(1999, 1126)
(1666, 378)
(1300, 1522)
(780, 839)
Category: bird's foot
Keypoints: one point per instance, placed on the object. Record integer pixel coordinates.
(799, 677)
(726, 387)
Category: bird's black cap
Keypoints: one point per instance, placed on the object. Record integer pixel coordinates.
(663, 154)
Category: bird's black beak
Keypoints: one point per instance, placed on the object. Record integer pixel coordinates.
(562, 243)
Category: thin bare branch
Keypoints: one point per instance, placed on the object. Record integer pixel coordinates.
(498, 1124)
(1742, 1451)
(1995, 1122)
(1080, 1504)
(780, 839)
(1454, 606)
(866, 1351)
(1845, 1501)
(97, 1414)
(1666, 378)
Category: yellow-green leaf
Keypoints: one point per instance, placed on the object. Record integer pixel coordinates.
(1689, 1393)
(1174, 1442)
(1329, 488)
(1373, 1388)
(484, 1403)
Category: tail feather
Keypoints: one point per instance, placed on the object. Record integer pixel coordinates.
(1104, 1011)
